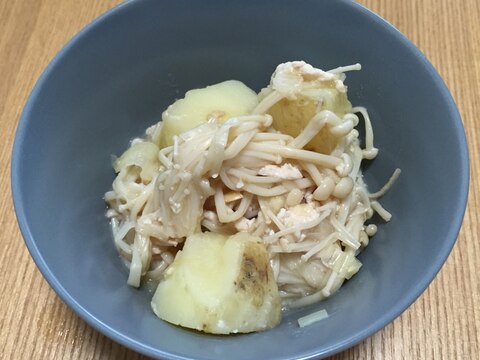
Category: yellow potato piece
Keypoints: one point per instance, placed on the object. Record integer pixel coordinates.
(224, 100)
(221, 285)
(143, 154)
(290, 116)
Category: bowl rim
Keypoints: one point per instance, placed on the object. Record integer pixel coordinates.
(383, 320)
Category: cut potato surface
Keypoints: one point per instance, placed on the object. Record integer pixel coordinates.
(143, 154)
(221, 285)
(222, 101)
(291, 116)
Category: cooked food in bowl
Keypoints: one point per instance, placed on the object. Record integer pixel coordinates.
(240, 204)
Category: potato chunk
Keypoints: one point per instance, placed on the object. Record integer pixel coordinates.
(143, 154)
(290, 116)
(223, 101)
(221, 285)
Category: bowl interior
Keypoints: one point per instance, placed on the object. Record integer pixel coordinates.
(118, 75)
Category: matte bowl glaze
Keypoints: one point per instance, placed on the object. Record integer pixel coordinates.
(117, 76)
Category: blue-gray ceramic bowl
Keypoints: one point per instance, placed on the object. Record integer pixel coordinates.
(117, 76)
